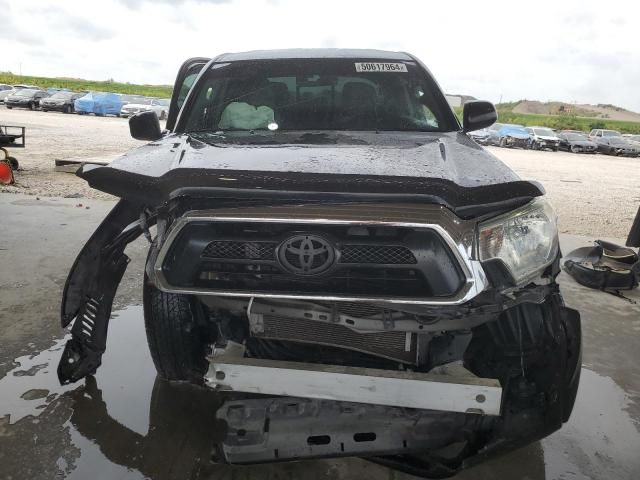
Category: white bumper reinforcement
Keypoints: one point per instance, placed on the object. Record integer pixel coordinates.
(454, 389)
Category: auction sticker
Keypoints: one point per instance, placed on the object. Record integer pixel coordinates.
(381, 67)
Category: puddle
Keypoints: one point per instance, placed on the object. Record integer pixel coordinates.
(126, 424)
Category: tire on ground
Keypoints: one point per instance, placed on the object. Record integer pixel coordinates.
(178, 343)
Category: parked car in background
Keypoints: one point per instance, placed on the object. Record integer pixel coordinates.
(576, 142)
(98, 103)
(481, 136)
(60, 101)
(511, 136)
(601, 133)
(494, 134)
(543, 137)
(632, 139)
(158, 105)
(125, 99)
(25, 98)
(5, 93)
(616, 145)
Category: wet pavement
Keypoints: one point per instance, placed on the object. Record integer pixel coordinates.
(126, 424)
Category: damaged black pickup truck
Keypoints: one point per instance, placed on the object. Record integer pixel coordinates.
(327, 243)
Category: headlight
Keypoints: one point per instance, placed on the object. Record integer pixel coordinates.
(526, 239)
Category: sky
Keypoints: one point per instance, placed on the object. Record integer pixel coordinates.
(567, 50)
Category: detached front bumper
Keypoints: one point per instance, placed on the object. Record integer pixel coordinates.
(313, 420)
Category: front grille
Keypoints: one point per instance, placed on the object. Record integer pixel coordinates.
(325, 260)
(392, 345)
(235, 250)
(380, 254)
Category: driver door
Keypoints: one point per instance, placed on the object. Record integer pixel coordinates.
(187, 75)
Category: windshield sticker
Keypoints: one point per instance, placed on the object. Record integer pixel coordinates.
(381, 67)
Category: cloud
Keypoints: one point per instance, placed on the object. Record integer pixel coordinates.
(136, 4)
(573, 55)
(14, 32)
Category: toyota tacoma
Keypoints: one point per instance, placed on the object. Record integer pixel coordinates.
(331, 252)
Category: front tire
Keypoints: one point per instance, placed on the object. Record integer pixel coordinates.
(177, 340)
(68, 109)
(32, 106)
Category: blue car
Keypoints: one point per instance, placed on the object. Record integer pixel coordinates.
(510, 136)
(100, 104)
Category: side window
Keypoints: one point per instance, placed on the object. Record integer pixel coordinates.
(186, 86)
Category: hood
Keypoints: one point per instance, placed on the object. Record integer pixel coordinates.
(549, 138)
(136, 106)
(447, 168)
(54, 100)
(582, 143)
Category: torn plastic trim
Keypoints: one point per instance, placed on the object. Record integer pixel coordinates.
(91, 286)
(285, 428)
(87, 264)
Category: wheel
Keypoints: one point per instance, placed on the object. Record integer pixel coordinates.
(32, 106)
(9, 107)
(163, 115)
(178, 342)
(44, 110)
(503, 142)
(534, 146)
(68, 109)
(573, 149)
(13, 162)
(555, 149)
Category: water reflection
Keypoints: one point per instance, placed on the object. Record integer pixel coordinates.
(127, 424)
(181, 434)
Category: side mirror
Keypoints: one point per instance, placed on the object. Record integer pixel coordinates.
(478, 114)
(145, 126)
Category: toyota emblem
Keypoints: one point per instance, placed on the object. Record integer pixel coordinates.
(306, 254)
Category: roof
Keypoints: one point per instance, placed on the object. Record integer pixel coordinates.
(314, 53)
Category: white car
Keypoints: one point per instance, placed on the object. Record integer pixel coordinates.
(158, 105)
(543, 137)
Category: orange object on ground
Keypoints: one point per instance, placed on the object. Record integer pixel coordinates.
(6, 173)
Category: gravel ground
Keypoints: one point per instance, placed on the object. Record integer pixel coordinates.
(595, 195)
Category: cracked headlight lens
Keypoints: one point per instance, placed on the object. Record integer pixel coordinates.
(526, 239)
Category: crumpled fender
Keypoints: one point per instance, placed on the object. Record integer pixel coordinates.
(91, 286)
(87, 264)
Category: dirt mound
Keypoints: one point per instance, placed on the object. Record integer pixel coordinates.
(610, 112)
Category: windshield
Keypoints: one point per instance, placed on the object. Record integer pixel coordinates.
(618, 141)
(324, 94)
(516, 130)
(610, 133)
(544, 132)
(25, 92)
(575, 136)
(62, 95)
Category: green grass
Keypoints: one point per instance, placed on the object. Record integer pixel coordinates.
(559, 122)
(567, 122)
(79, 85)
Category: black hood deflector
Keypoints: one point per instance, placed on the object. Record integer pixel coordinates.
(449, 169)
